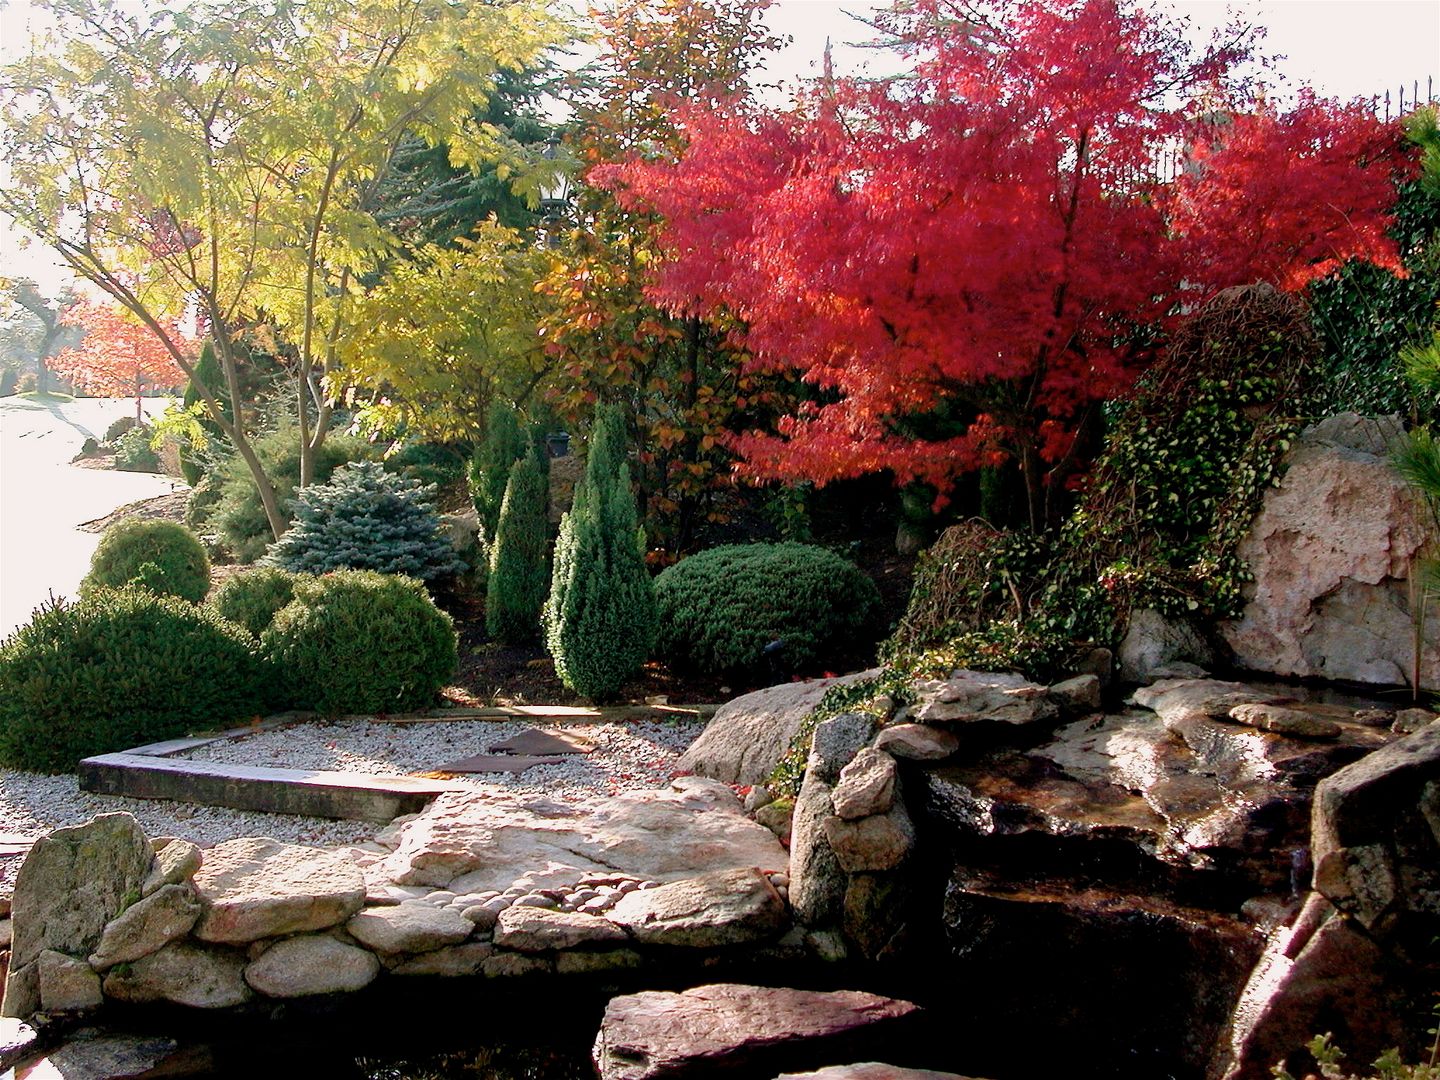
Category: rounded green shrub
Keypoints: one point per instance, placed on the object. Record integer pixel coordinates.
(118, 669)
(720, 608)
(164, 556)
(357, 641)
(133, 452)
(252, 598)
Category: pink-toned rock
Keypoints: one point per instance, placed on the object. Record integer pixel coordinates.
(867, 785)
(917, 742)
(753, 1031)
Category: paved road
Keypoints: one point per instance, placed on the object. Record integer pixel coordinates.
(43, 497)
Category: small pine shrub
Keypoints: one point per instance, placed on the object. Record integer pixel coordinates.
(118, 669)
(165, 556)
(503, 445)
(356, 641)
(118, 428)
(366, 519)
(133, 452)
(600, 619)
(518, 577)
(719, 609)
(238, 517)
(252, 598)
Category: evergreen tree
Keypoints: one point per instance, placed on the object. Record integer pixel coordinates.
(601, 617)
(503, 445)
(516, 590)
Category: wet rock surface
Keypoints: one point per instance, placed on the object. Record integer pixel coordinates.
(732, 1029)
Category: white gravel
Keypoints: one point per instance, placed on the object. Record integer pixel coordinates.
(627, 757)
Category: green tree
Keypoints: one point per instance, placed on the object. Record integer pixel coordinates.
(600, 620)
(502, 446)
(243, 148)
(516, 589)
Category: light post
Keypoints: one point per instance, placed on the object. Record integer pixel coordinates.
(555, 194)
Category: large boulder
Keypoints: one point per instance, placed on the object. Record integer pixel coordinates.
(749, 735)
(165, 915)
(185, 974)
(533, 929)
(1331, 552)
(731, 907)
(72, 883)
(739, 1030)
(311, 964)
(412, 927)
(256, 888)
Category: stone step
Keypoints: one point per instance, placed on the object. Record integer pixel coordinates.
(352, 796)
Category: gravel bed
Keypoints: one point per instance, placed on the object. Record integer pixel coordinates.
(630, 756)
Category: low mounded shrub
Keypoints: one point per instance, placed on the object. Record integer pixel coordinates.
(133, 452)
(366, 519)
(357, 641)
(119, 427)
(118, 669)
(164, 556)
(252, 598)
(720, 608)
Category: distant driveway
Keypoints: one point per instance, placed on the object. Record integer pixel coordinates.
(43, 497)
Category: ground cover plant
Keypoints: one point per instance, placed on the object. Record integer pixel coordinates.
(358, 641)
(117, 669)
(161, 555)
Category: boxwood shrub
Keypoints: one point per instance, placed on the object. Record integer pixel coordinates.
(164, 556)
(118, 669)
(358, 641)
(252, 598)
(721, 608)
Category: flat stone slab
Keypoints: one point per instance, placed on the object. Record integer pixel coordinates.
(497, 763)
(730, 907)
(410, 927)
(533, 929)
(753, 1031)
(352, 796)
(256, 888)
(479, 842)
(535, 741)
(871, 1070)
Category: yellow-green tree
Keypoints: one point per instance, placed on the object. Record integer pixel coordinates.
(228, 159)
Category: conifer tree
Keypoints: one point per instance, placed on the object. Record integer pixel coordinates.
(503, 445)
(516, 590)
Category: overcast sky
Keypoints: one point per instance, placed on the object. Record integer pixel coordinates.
(1343, 48)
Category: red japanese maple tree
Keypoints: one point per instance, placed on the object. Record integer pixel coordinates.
(117, 356)
(986, 242)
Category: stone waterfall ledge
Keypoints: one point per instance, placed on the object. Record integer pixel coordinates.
(473, 886)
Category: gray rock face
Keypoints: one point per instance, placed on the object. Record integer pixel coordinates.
(183, 973)
(1374, 838)
(836, 742)
(1331, 551)
(147, 926)
(175, 864)
(412, 927)
(311, 964)
(748, 736)
(879, 842)
(71, 884)
(867, 785)
(745, 1030)
(67, 984)
(817, 884)
(917, 742)
(1078, 695)
(256, 888)
(1286, 721)
(1153, 641)
(730, 907)
(538, 930)
(480, 844)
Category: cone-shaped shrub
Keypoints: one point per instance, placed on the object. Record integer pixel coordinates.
(366, 519)
(518, 578)
(118, 669)
(355, 641)
(600, 619)
(164, 556)
(503, 445)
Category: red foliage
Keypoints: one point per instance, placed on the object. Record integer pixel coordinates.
(118, 356)
(981, 244)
